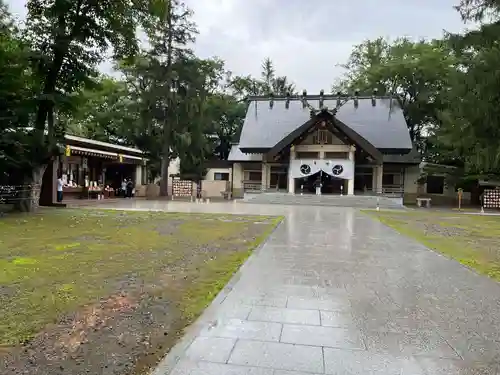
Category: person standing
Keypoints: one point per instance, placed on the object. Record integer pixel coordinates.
(130, 187)
(124, 188)
(60, 185)
(318, 185)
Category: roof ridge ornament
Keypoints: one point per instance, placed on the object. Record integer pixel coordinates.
(304, 98)
(356, 98)
(391, 103)
(340, 98)
(374, 97)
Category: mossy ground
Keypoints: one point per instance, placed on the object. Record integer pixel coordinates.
(473, 240)
(65, 275)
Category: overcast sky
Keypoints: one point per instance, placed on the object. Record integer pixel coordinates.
(306, 39)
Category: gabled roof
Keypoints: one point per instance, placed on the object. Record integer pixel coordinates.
(382, 124)
(331, 124)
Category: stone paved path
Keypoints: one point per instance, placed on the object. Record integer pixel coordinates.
(333, 291)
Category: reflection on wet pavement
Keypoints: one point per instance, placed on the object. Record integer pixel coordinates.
(333, 291)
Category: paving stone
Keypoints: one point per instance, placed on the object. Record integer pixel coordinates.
(209, 368)
(284, 315)
(318, 304)
(257, 300)
(322, 336)
(425, 343)
(226, 310)
(472, 347)
(439, 366)
(285, 372)
(342, 362)
(244, 329)
(278, 356)
(337, 319)
(212, 349)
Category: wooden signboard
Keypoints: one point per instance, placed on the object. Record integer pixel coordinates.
(182, 188)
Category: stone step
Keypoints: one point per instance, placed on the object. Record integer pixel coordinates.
(324, 200)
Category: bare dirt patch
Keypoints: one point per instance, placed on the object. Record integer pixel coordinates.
(110, 292)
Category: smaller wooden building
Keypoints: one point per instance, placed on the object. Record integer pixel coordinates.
(93, 169)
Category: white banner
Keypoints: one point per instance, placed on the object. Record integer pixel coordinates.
(339, 168)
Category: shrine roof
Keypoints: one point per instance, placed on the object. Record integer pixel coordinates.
(380, 121)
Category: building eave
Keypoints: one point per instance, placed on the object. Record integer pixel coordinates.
(254, 150)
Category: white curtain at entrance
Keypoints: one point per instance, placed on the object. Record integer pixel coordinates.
(309, 167)
(338, 168)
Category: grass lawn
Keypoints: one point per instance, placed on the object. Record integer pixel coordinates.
(473, 240)
(102, 291)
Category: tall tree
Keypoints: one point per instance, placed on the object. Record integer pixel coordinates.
(268, 82)
(414, 72)
(169, 37)
(363, 60)
(68, 39)
(470, 130)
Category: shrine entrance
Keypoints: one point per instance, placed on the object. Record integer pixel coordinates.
(329, 184)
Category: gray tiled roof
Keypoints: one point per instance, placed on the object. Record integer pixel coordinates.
(413, 157)
(382, 126)
(236, 155)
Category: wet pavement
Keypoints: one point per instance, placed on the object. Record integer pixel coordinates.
(334, 291)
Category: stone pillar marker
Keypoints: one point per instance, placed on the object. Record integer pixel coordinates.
(263, 177)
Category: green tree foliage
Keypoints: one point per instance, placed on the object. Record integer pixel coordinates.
(416, 73)
(69, 38)
(48, 62)
(470, 129)
(226, 116)
(104, 112)
(17, 94)
(269, 82)
(278, 85)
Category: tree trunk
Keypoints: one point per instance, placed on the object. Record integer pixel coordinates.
(166, 145)
(29, 195)
(165, 161)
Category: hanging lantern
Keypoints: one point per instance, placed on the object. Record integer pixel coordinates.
(120, 158)
(67, 152)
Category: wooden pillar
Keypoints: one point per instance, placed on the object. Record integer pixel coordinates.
(291, 180)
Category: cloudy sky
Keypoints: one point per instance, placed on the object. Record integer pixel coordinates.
(306, 39)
